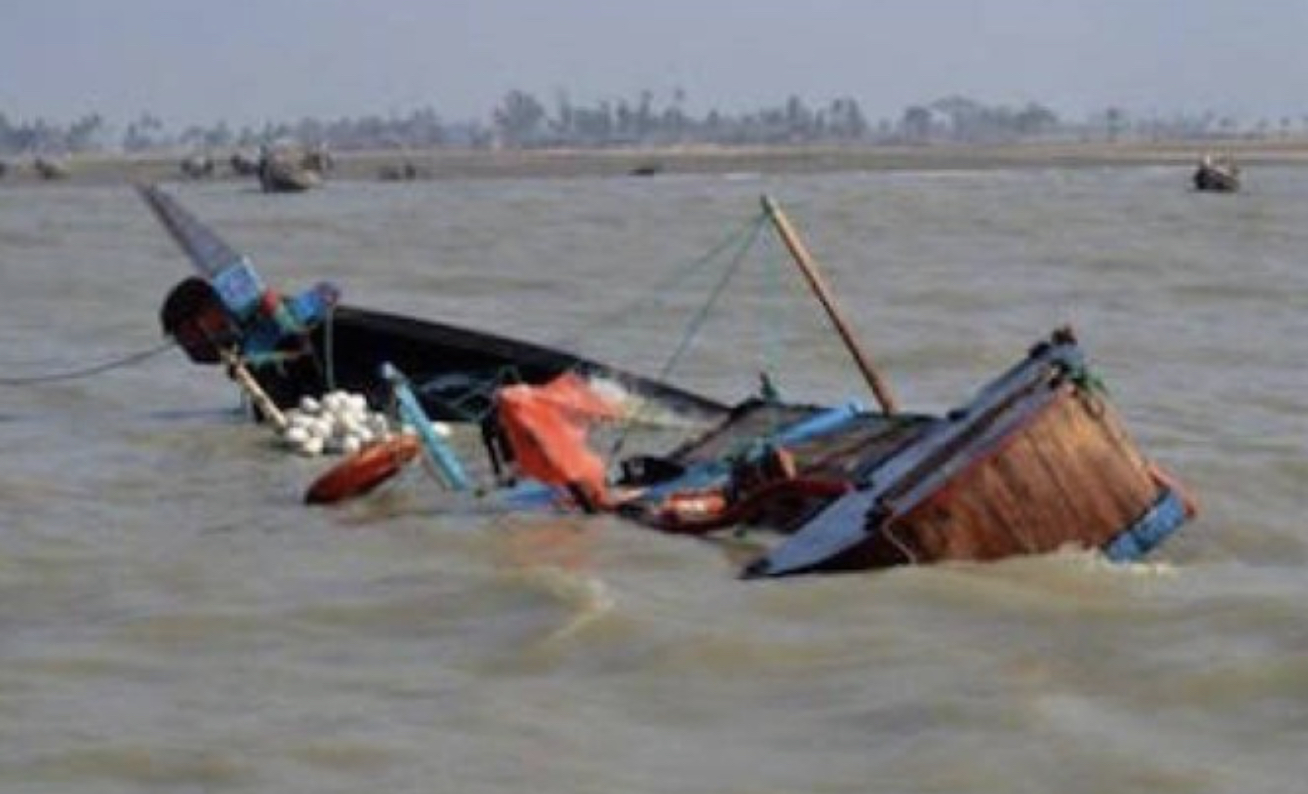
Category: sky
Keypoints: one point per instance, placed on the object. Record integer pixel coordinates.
(248, 62)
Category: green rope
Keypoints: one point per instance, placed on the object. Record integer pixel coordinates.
(741, 239)
(328, 342)
(772, 330)
(459, 403)
(664, 287)
(744, 242)
(1085, 380)
(697, 322)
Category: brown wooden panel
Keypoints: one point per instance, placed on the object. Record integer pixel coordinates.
(1070, 475)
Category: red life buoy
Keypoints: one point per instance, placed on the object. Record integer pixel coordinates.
(364, 470)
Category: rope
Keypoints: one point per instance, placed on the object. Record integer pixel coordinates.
(330, 323)
(697, 322)
(742, 238)
(748, 230)
(745, 239)
(771, 330)
(118, 363)
(458, 403)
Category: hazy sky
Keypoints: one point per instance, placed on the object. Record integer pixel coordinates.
(250, 61)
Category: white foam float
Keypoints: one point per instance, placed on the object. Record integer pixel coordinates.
(340, 422)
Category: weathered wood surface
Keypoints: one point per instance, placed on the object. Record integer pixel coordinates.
(1070, 475)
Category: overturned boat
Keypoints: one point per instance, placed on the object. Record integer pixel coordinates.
(310, 343)
(1038, 460)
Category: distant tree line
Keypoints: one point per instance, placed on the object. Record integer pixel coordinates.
(521, 120)
(42, 136)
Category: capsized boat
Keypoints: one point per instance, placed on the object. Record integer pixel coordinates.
(309, 344)
(1036, 461)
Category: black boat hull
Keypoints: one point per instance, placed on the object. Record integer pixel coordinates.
(454, 370)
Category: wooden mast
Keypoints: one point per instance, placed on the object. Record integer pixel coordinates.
(809, 268)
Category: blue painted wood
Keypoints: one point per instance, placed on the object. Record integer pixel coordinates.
(713, 473)
(1164, 518)
(438, 451)
(240, 288)
(206, 250)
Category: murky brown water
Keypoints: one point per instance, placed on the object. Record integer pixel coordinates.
(173, 619)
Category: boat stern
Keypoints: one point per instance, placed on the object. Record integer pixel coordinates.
(1039, 460)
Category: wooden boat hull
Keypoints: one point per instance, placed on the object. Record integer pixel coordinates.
(1066, 477)
(1037, 462)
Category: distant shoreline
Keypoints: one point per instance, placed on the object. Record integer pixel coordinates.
(556, 163)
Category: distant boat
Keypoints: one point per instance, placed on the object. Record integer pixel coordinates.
(318, 159)
(244, 164)
(281, 173)
(646, 169)
(403, 172)
(288, 168)
(1217, 174)
(197, 166)
(47, 168)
